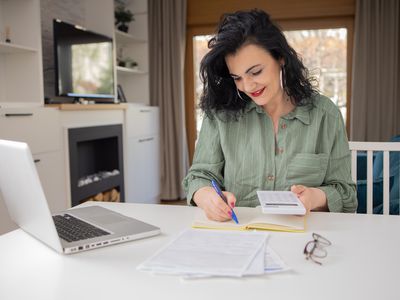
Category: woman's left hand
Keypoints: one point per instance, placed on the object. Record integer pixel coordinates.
(312, 198)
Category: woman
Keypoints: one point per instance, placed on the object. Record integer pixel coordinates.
(265, 126)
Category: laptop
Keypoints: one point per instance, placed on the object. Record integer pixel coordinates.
(71, 231)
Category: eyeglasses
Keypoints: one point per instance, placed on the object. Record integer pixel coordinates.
(315, 249)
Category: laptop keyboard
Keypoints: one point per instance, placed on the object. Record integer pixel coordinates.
(72, 229)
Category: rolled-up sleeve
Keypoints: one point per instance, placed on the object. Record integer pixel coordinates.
(208, 161)
(338, 186)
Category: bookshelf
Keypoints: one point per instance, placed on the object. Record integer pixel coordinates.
(133, 45)
(21, 79)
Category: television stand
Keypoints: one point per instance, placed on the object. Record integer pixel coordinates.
(77, 106)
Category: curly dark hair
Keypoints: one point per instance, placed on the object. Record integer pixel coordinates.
(234, 31)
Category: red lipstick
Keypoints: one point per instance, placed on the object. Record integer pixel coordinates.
(257, 93)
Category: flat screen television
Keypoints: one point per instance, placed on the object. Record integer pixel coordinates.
(84, 64)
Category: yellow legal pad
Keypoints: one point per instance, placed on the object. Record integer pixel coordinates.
(251, 218)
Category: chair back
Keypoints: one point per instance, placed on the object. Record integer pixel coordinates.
(370, 147)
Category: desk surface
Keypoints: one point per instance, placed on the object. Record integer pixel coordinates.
(363, 263)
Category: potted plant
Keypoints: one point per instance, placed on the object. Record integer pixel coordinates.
(123, 17)
(128, 63)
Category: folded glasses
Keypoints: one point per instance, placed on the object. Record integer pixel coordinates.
(315, 249)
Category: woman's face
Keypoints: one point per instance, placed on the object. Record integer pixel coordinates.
(256, 73)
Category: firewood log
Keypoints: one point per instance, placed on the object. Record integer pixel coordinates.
(107, 196)
(98, 197)
(114, 195)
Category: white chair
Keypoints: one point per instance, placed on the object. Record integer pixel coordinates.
(370, 147)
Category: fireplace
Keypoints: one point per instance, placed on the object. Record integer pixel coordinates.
(96, 163)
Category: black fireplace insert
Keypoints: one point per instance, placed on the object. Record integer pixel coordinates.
(96, 161)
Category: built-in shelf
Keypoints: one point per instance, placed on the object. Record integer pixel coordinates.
(124, 38)
(133, 46)
(21, 63)
(13, 48)
(123, 70)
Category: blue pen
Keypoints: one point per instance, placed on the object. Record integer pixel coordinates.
(219, 192)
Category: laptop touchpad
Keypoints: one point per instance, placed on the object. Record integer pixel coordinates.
(110, 219)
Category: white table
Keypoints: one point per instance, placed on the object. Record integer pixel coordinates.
(363, 263)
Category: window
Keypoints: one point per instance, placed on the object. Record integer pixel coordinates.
(200, 48)
(324, 53)
(329, 17)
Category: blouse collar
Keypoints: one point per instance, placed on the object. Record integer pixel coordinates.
(302, 113)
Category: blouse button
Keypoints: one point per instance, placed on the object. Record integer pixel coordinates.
(280, 150)
(283, 126)
(270, 178)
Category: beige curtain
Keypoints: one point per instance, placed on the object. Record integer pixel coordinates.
(167, 32)
(375, 104)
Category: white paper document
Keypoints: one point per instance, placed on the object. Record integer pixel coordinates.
(204, 253)
(280, 202)
(273, 262)
(266, 261)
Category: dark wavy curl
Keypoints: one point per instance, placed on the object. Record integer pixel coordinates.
(234, 31)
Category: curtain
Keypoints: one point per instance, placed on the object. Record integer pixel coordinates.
(375, 103)
(167, 33)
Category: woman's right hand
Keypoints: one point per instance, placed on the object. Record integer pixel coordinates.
(214, 207)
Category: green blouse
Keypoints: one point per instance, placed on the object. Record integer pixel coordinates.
(311, 149)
